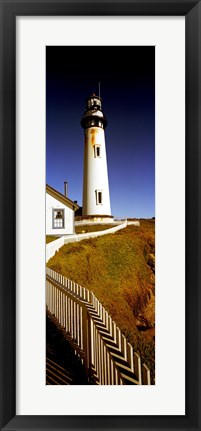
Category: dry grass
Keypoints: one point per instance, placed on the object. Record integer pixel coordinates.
(50, 238)
(93, 228)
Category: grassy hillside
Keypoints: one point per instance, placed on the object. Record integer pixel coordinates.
(119, 269)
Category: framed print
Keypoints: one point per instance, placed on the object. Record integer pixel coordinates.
(146, 60)
(138, 67)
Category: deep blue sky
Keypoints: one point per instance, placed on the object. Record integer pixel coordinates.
(127, 80)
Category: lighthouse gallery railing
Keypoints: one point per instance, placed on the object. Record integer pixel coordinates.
(108, 357)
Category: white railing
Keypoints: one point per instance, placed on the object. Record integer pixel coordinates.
(53, 246)
(88, 235)
(107, 355)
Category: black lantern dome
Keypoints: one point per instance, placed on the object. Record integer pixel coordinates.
(93, 114)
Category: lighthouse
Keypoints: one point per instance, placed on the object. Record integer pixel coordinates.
(96, 196)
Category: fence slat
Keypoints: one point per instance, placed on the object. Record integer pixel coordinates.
(146, 379)
(130, 356)
(137, 367)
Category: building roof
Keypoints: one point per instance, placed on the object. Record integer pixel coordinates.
(62, 198)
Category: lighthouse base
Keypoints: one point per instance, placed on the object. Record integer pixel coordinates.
(96, 218)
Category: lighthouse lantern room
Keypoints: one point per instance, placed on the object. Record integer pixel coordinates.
(96, 196)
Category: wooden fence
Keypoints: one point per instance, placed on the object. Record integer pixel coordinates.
(108, 357)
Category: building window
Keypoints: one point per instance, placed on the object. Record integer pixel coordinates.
(97, 151)
(58, 218)
(99, 197)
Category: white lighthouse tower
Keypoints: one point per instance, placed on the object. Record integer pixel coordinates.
(96, 197)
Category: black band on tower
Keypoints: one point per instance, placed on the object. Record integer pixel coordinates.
(93, 114)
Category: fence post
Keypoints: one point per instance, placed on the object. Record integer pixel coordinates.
(137, 367)
(87, 340)
(146, 379)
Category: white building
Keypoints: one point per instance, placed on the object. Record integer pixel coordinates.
(96, 196)
(60, 212)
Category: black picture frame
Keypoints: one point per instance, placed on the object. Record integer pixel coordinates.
(191, 9)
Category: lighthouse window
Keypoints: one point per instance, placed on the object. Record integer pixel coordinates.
(99, 197)
(58, 218)
(90, 103)
(96, 151)
(97, 102)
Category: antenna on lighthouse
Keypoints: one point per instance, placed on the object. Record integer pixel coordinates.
(99, 89)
